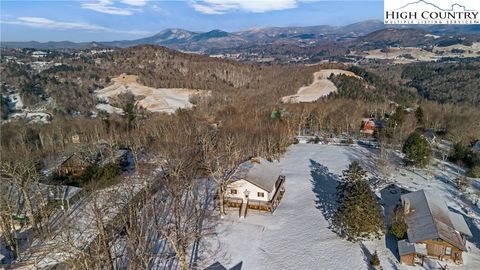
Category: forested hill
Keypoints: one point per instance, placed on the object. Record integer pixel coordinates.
(446, 82)
(72, 83)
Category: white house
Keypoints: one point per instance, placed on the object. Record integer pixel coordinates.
(257, 184)
(38, 54)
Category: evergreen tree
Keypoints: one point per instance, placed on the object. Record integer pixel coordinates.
(130, 109)
(399, 227)
(129, 113)
(419, 115)
(417, 150)
(359, 213)
(4, 108)
(399, 116)
(395, 121)
(350, 176)
(474, 172)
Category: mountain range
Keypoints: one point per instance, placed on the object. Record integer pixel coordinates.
(428, 4)
(216, 40)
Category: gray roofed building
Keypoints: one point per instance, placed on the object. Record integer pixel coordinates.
(428, 217)
(459, 224)
(476, 146)
(39, 194)
(259, 172)
(256, 184)
(405, 247)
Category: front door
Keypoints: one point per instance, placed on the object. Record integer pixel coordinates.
(246, 192)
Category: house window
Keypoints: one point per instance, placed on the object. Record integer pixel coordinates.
(233, 191)
(260, 194)
(448, 251)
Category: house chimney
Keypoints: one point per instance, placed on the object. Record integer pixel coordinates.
(406, 206)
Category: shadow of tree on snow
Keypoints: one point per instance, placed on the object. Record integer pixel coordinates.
(324, 187)
(367, 256)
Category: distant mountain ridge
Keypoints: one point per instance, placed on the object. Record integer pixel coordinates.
(181, 39)
(433, 5)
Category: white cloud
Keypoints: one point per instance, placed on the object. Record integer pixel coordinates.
(59, 25)
(108, 6)
(224, 6)
(138, 3)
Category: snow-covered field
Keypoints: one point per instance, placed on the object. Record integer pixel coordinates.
(321, 87)
(297, 234)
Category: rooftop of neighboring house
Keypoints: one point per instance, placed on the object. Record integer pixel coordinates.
(405, 248)
(430, 134)
(476, 146)
(39, 194)
(99, 152)
(428, 217)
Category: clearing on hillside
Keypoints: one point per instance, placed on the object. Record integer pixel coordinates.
(406, 55)
(155, 100)
(321, 87)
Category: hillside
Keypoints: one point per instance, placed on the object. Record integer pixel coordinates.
(71, 85)
(409, 38)
(446, 82)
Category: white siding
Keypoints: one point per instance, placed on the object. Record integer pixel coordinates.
(241, 186)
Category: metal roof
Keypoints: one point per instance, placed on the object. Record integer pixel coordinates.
(429, 218)
(39, 194)
(259, 172)
(405, 247)
(459, 223)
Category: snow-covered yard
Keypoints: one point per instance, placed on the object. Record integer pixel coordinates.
(297, 234)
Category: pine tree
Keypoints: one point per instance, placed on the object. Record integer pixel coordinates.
(399, 227)
(419, 115)
(359, 213)
(417, 150)
(353, 174)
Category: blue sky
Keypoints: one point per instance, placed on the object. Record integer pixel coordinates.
(104, 20)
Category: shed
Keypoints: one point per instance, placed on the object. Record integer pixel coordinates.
(410, 251)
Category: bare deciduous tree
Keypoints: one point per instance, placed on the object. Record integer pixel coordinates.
(22, 174)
